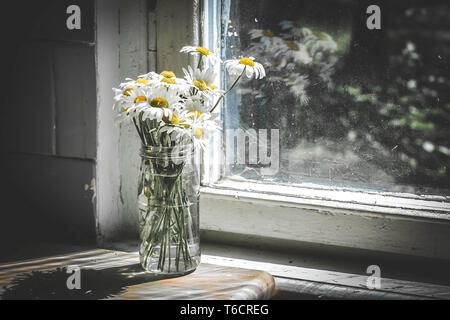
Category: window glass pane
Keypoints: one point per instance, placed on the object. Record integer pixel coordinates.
(355, 107)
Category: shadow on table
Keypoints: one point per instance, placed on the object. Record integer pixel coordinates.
(94, 284)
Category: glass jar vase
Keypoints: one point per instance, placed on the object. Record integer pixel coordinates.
(168, 201)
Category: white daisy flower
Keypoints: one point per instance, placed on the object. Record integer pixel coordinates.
(195, 103)
(139, 82)
(202, 80)
(159, 104)
(199, 124)
(162, 103)
(125, 99)
(150, 76)
(153, 76)
(127, 89)
(177, 85)
(204, 52)
(236, 67)
(166, 79)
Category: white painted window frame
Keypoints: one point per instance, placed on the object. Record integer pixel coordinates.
(397, 223)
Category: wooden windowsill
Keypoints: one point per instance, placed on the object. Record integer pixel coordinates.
(311, 274)
(304, 274)
(107, 274)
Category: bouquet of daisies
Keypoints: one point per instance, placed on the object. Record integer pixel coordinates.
(170, 112)
(163, 104)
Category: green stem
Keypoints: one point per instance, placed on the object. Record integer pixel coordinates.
(170, 194)
(138, 131)
(186, 254)
(180, 239)
(168, 241)
(231, 88)
(152, 237)
(162, 248)
(200, 61)
(167, 209)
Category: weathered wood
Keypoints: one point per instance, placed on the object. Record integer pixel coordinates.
(327, 222)
(207, 282)
(133, 39)
(30, 125)
(58, 195)
(152, 29)
(108, 208)
(74, 71)
(176, 27)
(290, 289)
(336, 284)
(122, 52)
(48, 20)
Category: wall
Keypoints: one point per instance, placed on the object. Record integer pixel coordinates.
(48, 118)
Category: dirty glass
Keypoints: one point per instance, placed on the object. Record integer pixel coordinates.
(355, 107)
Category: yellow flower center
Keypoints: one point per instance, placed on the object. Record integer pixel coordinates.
(203, 50)
(159, 103)
(140, 98)
(175, 119)
(168, 74)
(198, 133)
(196, 113)
(168, 80)
(292, 45)
(125, 109)
(247, 62)
(201, 84)
(142, 80)
(267, 33)
(127, 92)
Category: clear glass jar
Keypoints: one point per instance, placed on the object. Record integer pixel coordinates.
(168, 199)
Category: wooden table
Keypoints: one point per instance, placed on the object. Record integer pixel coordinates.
(106, 274)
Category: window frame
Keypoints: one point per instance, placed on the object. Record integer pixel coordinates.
(368, 220)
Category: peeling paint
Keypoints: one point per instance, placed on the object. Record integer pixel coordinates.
(91, 187)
